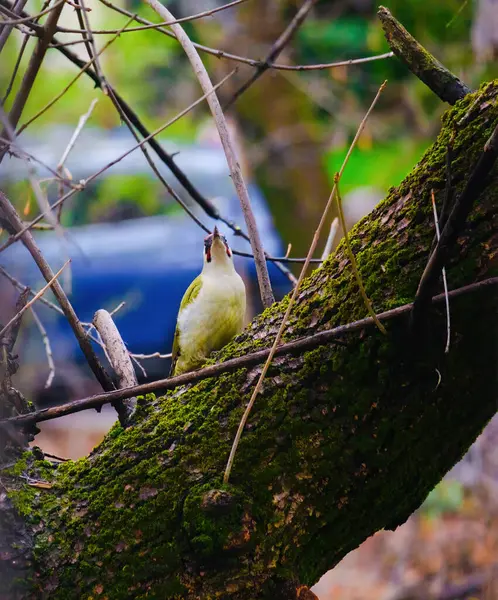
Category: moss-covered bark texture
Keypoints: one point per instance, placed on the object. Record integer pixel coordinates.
(343, 441)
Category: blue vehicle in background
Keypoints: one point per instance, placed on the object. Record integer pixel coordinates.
(119, 255)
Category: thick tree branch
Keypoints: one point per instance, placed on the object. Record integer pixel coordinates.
(421, 63)
(343, 441)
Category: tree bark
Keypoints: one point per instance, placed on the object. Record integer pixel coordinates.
(343, 441)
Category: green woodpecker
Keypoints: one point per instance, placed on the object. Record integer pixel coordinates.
(212, 310)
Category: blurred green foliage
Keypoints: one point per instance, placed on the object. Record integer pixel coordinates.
(382, 166)
(445, 498)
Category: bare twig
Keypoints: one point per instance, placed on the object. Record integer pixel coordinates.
(21, 153)
(18, 315)
(60, 166)
(276, 49)
(41, 198)
(221, 53)
(21, 287)
(208, 207)
(120, 361)
(476, 184)
(15, 70)
(7, 342)
(83, 183)
(139, 365)
(153, 355)
(352, 258)
(421, 63)
(205, 13)
(445, 283)
(22, 49)
(10, 214)
(6, 29)
(72, 82)
(141, 145)
(48, 348)
(91, 48)
(32, 70)
(248, 360)
(250, 61)
(233, 164)
(13, 22)
(81, 123)
(292, 300)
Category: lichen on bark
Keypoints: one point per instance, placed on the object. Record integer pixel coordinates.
(344, 439)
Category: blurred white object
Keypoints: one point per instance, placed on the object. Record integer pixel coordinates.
(360, 202)
(485, 30)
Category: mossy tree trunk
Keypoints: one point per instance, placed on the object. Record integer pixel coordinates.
(343, 441)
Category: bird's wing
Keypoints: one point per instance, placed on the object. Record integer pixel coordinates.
(190, 295)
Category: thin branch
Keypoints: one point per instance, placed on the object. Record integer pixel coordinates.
(16, 10)
(71, 43)
(7, 342)
(15, 70)
(248, 360)
(21, 153)
(10, 214)
(21, 287)
(17, 316)
(139, 365)
(445, 283)
(32, 70)
(267, 297)
(153, 355)
(81, 123)
(141, 145)
(13, 22)
(421, 63)
(352, 259)
(60, 166)
(292, 300)
(208, 207)
(91, 47)
(48, 348)
(41, 198)
(72, 82)
(276, 49)
(250, 61)
(83, 183)
(200, 15)
(476, 184)
(226, 55)
(6, 29)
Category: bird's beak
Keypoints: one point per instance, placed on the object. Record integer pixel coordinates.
(216, 233)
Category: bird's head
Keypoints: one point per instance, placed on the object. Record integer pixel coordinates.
(216, 250)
